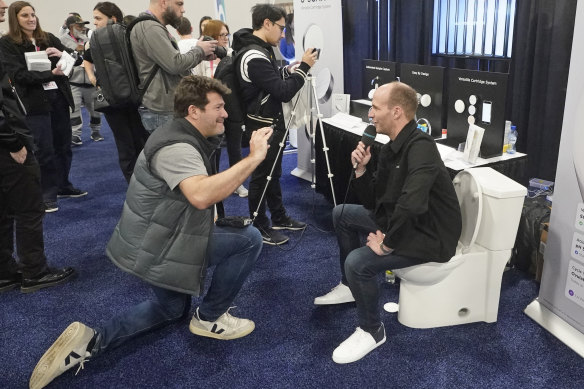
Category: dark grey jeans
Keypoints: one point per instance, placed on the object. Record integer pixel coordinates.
(360, 265)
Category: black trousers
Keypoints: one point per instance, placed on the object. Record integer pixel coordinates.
(52, 139)
(21, 215)
(130, 136)
(258, 181)
(233, 135)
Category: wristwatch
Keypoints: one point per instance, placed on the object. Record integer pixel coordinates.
(383, 250)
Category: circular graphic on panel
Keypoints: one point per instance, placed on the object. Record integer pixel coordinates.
(472, 99)
(425, 100)
(472, 109)
(324, 85)
(471, 120)
(313, 37)
(459, 106)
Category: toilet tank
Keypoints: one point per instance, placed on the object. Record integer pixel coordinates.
(501, 211)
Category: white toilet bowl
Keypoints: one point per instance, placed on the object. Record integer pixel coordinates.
(466, 289)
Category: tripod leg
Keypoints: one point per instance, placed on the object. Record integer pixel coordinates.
(324, 146)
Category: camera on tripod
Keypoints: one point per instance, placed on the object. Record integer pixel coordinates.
(220, 51)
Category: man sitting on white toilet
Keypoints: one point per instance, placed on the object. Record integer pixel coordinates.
(410, 212)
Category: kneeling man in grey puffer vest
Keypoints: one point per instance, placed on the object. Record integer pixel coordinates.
(167, 237)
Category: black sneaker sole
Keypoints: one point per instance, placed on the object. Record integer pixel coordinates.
(6, 288)
(71, 196)
(272, 243)
(287, 228)
(34, 288)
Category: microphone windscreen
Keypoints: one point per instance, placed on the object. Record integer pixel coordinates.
(369, 135)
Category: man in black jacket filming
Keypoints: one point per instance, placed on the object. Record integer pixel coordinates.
(264, 87)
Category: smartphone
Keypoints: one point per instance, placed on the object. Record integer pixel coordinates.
(317, 52)
(486, 113)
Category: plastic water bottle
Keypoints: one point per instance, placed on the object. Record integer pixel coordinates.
(506, 135)
(512, 140)
(389, 277)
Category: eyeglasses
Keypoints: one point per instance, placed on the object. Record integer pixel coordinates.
(224, 35)
(281, 27)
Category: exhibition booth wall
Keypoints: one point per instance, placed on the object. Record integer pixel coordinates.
(401, 31)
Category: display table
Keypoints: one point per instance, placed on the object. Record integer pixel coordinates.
(342, 137)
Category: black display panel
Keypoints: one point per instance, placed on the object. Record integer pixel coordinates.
(375, 74)
(479, 97)
(428, 81)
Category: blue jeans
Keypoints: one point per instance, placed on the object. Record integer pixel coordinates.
(360, 265)
(152, 120)
(233, 252)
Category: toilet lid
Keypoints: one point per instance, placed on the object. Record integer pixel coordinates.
(470, 199)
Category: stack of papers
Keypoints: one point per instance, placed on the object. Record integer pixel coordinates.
(37, 61)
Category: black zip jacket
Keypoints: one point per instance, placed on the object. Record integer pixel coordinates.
(257, 72)
(29, 85)
(412, 198)
(14, 133)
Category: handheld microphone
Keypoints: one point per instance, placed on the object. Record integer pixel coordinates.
(368, 138)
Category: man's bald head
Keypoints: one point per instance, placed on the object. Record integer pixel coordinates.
(402, 95)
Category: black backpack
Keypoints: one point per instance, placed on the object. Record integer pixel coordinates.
(115, 67)
(227, 74)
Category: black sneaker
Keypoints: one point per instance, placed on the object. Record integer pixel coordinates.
(96, 136)
(73, 347)
(71, 192)
(51, 206)
(272, 237)
(287, 223)
(8, 283)
(76, 140)
(49, 278)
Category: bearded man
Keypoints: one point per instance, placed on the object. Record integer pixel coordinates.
(153, 48)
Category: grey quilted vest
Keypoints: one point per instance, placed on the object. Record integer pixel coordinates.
(161, 237)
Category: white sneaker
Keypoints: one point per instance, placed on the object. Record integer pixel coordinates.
(338, 295)
(226, 327)
(357, 346)
(70, 349)
(241, 191)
